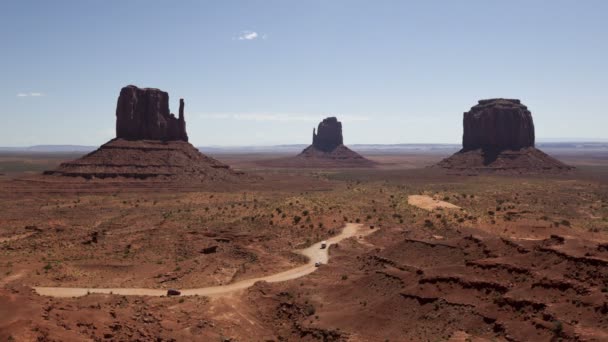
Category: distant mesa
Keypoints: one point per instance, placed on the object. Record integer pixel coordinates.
(150, 143)
(499, 136)
(327, 150)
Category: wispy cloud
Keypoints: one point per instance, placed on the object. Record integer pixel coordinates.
(250, 35)
(34, 94)
(279, 117)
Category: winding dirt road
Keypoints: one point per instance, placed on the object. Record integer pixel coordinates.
(314, 254)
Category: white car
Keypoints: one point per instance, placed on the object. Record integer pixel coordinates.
(323, 244)
(317, 264)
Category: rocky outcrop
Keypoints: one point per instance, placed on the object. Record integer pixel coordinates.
(499, 137)
(150, 143)
(328, 135)
(327, 151)
(498, 124)
(143, 113)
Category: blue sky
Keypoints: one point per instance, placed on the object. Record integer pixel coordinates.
(265, 72)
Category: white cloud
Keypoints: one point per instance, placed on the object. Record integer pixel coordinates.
(33, 94)
(279, 117)
(249, 35)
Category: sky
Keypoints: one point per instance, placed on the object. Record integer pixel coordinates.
(266, 72)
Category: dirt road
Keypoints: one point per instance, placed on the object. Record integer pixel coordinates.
(314, 253)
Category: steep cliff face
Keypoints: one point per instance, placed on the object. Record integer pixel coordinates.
(328, 135)
(498, 124)
(143, 114)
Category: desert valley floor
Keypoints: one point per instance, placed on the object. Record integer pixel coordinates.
(434, 256)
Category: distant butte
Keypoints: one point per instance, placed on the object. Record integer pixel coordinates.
(150, 143)
(499, 136)
(329, 135)
(327, 150)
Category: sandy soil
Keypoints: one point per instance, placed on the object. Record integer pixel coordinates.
(429, 203)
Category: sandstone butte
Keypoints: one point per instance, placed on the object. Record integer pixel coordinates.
(150, 143)
(499, 137)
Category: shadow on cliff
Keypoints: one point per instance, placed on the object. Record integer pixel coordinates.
(490, 155)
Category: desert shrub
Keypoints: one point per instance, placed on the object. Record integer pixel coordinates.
(558, 328)
(309, 310)
(296, 219)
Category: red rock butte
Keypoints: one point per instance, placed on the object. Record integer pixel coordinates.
(143, 114)
(150, 143)
(327, 150)
(499, 137)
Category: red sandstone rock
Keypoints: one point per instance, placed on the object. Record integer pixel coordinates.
(328, 135)
(144, 114)
(498, 124)
(499, 136)
(327, 151)
(150, 143)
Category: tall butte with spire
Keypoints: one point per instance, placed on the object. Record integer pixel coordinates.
(150, 143)
(498, 136)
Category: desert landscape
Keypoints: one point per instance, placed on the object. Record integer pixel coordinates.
(148, 239)
(159, 181)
